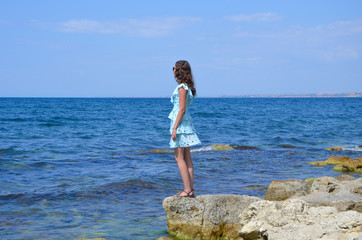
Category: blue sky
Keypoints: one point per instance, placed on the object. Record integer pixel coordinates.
(127, 48)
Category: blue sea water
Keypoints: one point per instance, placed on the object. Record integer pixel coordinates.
(100, 167)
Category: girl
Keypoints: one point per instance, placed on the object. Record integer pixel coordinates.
(183, 134)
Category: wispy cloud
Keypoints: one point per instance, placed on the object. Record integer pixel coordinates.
(257, 17)
(334, 41)
(145, 27)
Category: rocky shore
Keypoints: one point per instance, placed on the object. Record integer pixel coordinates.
(321, 208)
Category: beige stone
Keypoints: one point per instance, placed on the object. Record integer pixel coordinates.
(280, 190)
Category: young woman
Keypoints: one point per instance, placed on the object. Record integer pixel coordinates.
(183, 134)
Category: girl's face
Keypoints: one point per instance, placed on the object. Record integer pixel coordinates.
(174, 70)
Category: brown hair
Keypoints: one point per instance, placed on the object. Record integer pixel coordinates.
(183, 74)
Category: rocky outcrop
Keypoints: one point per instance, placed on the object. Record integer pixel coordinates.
(343, 163)
(206, 216)
(326, 208)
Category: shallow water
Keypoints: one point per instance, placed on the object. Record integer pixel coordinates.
(85, 168)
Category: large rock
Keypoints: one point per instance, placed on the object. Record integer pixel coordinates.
(343, 193)
(281, 190)
(206, 216)
(326, 208)
(296, 219)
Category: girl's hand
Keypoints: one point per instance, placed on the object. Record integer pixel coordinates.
(173, 136)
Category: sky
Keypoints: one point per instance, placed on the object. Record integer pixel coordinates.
(112, 48)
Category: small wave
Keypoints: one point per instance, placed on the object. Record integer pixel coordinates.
(203, 149)
(356, 148)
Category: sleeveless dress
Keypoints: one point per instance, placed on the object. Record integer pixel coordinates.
(185, 134)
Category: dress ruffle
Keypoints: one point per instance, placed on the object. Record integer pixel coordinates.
(184, 140)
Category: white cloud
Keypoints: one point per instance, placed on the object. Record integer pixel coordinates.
(145, 27)
(257, 17)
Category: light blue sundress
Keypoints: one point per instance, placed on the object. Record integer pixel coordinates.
(185, 134)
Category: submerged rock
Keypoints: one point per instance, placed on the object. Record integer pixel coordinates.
(337, 148)
(343, 163)
(244, 147)
(289, 146)
(221, 147)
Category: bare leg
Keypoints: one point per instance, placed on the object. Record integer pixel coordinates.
(190, 166)
(180, 159)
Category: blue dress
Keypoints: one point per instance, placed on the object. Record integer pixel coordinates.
(185, 134)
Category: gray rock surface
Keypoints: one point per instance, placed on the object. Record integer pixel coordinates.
(343, 192)
(296, 219)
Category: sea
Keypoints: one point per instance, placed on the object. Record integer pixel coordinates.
(74, 168)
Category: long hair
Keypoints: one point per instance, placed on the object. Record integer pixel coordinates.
(183, 74)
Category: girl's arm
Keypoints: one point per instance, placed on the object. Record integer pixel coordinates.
(182, 99)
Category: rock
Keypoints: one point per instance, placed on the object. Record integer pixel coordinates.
(345, 177)
(326, 208)
(318, 163)
(334, 160)
(164, 238)
(329, 191)
(244, 147)
(206, 216)
(296, 219)
(281, 190)
(289, 146)
(343, 193)
(343, 163)
(337, 148)
(221, 147)
(350, 166)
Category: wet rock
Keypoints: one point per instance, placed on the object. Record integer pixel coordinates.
(289, 146)
(349, 166)
(244, 147)
(206, 216)
(281, 190)
(221, 147)
(343, 163)
(318, 163)
(334, 160)
(337, 148)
